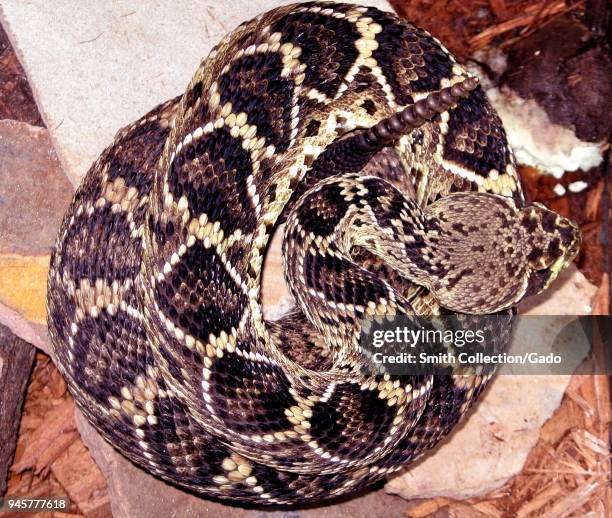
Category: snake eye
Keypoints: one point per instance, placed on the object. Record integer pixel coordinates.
(535, 258)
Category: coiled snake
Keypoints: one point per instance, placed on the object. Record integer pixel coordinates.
(399, 195)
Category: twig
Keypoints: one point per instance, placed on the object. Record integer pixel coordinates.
(525, 20)
(92, 39)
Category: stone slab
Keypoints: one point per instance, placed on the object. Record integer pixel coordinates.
(16, 357)
(96, 66)
(34, 192)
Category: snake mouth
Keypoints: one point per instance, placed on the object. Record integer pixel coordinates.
(538, 281)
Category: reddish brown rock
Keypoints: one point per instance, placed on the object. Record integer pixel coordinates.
(566, 70)
(34, 192)
(83, 481)
(16, 99)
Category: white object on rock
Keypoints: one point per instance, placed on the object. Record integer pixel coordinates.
(578, 186)
(536, 141)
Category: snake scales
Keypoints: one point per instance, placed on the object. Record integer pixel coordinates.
(399, 195)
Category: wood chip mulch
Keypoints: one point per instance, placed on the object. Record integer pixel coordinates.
(51, 459)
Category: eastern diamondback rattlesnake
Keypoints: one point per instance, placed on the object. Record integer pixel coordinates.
(400, 196)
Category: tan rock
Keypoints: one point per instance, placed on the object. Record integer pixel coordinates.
(35, 192)
(83, 481)
(275, 296)
(23, 285)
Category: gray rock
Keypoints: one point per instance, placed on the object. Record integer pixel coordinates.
(113, 61)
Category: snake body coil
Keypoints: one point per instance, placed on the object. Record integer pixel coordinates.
(399, 195)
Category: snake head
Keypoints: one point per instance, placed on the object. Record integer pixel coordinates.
(490, 253)
(554, 241)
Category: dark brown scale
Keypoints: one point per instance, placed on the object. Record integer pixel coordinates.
(300, 341)
(549, 221)
(325, 270)
(193, 95)
(150, 137)
(468, 116)
(327, 45)
(325, 212)
(312, 128)
(253, 84)
(161, 231)
(205, 278)
(250, 397)
(369, 106)
(341, 428)
(216, 184)
(87, 233)
(409, 58)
